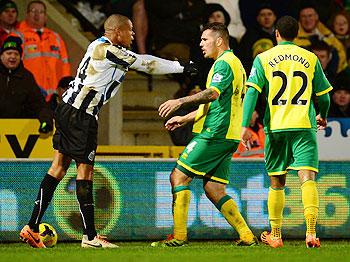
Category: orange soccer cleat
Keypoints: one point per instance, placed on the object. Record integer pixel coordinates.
(272, 242)
(312, 241)
(32, 238)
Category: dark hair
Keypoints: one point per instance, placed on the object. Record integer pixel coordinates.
(4, 4)
(265, 5)
(334, 16)
(35, 2)
(288, 27)
(12, 42)
(219, 28)
(303, 4)
(211, 8)
(320, 45)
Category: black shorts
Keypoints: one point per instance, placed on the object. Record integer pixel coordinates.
(76, 134)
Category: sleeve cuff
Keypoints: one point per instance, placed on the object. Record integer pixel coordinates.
(324, 91)
(254, 86)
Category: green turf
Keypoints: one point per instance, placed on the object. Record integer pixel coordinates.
(212, 251)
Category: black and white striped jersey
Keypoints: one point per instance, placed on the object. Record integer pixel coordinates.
(99, 75)
(102, 70)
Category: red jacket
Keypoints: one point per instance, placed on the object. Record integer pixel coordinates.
(46, 56)
(4, 34)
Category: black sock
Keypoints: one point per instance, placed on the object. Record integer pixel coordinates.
(47, 188)
(86, 202)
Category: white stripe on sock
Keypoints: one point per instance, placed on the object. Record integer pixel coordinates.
(82, 216)
(41, 202)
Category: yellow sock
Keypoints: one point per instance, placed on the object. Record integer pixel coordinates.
(181, 202)
(230, 211)
(275, 204)
(310, 201)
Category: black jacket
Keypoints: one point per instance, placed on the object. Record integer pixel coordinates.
(253, 42)
(20, 96)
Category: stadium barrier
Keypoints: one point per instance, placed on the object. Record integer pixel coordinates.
(19, 138)
(133, 200)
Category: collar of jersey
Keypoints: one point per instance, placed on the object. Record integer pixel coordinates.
(104, 38)
(228, 50)
(286, 43)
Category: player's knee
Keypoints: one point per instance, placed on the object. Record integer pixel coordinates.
(305, 175)
(178, 178)
(57, 171)
(278, 182)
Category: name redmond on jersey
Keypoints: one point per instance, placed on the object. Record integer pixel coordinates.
(292, 57)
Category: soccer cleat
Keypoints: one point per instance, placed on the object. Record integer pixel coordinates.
(97, 242)
(312, 241)
(248, 242)
(170, 241)
(272, 242)
(32, 238)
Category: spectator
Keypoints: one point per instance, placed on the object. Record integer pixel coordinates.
(325, 8)
(340, 104)
(235, 25)
(62, 86)
(135, 10)
(312, 29)
(257, 139)
(175, 26)
(8, 19)
(340, 26)
(45, 53)
(324, 53)
(217, 13)
(259, 38)
(20, 96)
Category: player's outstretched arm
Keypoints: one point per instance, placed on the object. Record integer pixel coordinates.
(155, 65)
(202, 97)
(158, 66)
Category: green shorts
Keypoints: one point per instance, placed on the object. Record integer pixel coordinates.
(294, 150)
(207, 158)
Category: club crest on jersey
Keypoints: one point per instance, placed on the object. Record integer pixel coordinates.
(217, 78)
(252, 72)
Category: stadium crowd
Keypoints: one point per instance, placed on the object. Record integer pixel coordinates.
(171, 30)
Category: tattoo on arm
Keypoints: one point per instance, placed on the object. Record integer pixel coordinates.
(203, 97)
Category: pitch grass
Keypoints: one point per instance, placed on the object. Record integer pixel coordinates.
(212, 251)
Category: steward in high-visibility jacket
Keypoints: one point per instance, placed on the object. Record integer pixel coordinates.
(45, 55)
